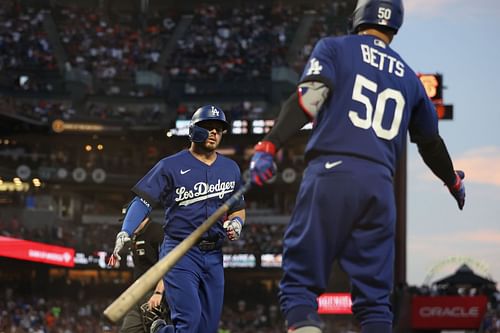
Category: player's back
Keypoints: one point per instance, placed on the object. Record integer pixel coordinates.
(374, 95)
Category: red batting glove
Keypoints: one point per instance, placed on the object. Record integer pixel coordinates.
(262, 166)
(457, 190)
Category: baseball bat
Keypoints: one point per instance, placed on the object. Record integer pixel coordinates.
(120, 306)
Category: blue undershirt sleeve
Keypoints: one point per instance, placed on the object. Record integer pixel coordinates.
(137, 211)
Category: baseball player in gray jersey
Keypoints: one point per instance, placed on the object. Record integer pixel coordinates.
(191, 185)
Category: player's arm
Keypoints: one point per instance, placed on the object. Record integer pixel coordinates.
(314, 88)
(234, 224)
(437, 158)
(155, 299)
(136, 215)
(303, 106)
(424, 132)
(299, 109)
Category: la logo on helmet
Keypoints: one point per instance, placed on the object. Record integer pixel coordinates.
(215, 112)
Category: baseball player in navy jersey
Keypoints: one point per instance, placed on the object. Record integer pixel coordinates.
(191, 185)
(363, 98)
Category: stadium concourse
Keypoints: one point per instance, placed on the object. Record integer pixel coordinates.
(94, 93)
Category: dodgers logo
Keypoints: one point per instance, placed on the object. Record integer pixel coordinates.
(203, 191)
(315, 67)
(215, 112)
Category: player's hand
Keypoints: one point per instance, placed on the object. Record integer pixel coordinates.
(122, 238)
(233, 228)
(457, 190)
(154, 301)
(262, 166)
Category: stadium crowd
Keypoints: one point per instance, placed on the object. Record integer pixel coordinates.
(109, 48)
(221, 43)
(77, 308)
(226, 44)
(23, 40)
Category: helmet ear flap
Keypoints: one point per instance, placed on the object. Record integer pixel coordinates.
(197, 133)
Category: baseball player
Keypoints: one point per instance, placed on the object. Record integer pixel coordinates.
(191, 185)
(362, 98)
(144, 244)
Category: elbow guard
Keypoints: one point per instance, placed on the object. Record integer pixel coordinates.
(312, 95)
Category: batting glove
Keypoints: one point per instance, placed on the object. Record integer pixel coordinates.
(122, 238)
(262, 166)
(233, 228)
(457, 190)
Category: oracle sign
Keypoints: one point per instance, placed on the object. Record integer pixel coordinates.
(38, 252)
(335, 303)
(448, 312)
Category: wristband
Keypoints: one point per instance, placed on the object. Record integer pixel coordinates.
(458, 180)
(239, 219)
(266, 147)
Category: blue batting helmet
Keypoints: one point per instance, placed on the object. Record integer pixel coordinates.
(384, 13)
(205, 113)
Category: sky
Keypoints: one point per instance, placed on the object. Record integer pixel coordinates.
(461, 40)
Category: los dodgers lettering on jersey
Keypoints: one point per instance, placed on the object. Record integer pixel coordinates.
(190, 191)
(375, 106)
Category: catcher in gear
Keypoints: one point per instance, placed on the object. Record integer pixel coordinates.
(145, 246)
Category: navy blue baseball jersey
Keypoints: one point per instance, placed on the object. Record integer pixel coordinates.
(376, 98)
(346, 204)
(190, 191)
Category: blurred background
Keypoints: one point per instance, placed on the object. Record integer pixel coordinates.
(94, 92)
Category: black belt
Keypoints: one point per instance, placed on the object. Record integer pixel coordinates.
(205, 244)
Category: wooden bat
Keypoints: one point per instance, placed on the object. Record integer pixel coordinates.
(120, 306)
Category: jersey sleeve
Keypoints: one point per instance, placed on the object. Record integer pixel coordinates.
(423, 125)
(154, 185)
(321, 64)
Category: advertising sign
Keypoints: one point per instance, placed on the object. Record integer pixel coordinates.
(448, 312)
(335, 303)
(37, 252)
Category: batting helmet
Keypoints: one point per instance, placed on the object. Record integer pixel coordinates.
(384, 13)
(205, 113)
